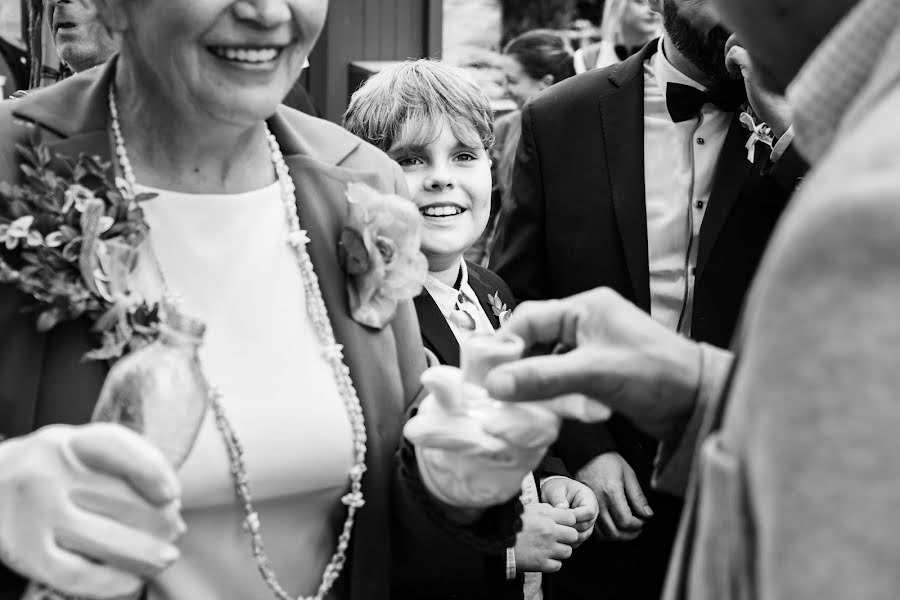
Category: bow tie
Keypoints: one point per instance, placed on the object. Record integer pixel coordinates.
(684, 102)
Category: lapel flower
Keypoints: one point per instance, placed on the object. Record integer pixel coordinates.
(499, 308)
(759, 132)
(379, 250)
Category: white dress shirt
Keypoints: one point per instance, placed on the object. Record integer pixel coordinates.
(450, 299)
(679, 165)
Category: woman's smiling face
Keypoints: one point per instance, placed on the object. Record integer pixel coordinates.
(450, 182)
(235, 60)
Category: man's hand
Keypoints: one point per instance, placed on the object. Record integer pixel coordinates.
(623, 507)
(619, 357)
(547, 537)
(769, 106)
(562, 492)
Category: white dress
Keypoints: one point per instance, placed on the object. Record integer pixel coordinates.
(227, 257)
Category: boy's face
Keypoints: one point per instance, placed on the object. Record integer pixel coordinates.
(450, 182)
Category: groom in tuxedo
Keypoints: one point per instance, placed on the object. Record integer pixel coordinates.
(638, 177)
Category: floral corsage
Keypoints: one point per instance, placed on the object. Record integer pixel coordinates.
(379, 251)
(69, 235)
(498, 307)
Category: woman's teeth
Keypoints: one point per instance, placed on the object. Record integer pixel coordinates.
(442, 211)
(246, 55)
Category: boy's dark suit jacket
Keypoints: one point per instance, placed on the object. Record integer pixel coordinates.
(577, 220)
(439, 339)
(401, 546)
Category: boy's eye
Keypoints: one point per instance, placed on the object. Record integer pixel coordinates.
(466, 156)
(408, 161)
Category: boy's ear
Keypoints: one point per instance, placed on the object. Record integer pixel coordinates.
(655, 5)
(112, 14)
(548, 80)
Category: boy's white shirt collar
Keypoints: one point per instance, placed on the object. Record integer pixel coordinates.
(445, 296)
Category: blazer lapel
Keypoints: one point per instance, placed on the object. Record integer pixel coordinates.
(436, 331)
(732, 171)
(622, 119)
(482, 291)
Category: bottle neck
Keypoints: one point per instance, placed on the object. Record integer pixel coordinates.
(172, 336)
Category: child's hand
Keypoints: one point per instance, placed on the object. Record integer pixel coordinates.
(562, 492)
(546, 539)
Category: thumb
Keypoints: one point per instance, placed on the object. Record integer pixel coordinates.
(555, 495)
(540, 377)
(635, 495)
(738, 61)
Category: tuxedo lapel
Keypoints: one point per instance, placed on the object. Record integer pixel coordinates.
(436, 331)
(730, 178)
(622, 119)
(482, 291)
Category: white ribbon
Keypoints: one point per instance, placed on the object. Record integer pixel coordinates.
(760, 132)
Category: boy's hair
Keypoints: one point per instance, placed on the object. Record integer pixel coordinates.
(424, 92)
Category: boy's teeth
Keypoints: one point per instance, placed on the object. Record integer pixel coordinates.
(247, 55)
(441, 211)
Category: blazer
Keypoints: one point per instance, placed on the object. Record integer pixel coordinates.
(401, 544)
(577, 220)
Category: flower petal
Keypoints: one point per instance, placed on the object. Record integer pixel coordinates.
(54, 240)
(105, 224)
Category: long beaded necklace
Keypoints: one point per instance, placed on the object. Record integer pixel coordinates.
(318, 314)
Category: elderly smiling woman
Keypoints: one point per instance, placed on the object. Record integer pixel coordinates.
(189, 111)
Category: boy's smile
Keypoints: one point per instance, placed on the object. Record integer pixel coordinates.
(450, 182)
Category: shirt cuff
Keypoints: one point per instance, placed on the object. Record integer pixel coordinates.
(676, 457)
(781, 145)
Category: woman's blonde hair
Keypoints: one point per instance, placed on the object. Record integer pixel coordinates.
(427, 93)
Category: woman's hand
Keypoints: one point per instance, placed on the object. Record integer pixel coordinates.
(87, 510)
(473, 452)
(547, 538)
(562, 492)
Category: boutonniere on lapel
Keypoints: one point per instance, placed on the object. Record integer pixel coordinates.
(499, 308)
(379, 250)
(759, 133)
(69, 238)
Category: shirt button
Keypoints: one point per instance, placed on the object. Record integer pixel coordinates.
(699, 203)
(701, 141)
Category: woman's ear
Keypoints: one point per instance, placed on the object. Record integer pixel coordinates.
(547, 80)
(112, 14)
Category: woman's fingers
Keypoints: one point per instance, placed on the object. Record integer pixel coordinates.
(79, 577)
(117, 501)
(116, 451)
(102, 540)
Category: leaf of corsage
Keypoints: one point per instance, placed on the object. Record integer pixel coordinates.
(90, 227)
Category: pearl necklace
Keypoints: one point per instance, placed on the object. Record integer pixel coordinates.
(318, 314)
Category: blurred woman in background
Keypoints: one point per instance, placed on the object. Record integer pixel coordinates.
(532, 62)
(627, 25)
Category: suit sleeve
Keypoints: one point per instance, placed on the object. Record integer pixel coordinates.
(518, 255)
(813, 416)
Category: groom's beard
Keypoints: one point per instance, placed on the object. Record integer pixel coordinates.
(705, 50)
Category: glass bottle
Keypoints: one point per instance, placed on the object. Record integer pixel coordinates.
(159, 391)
